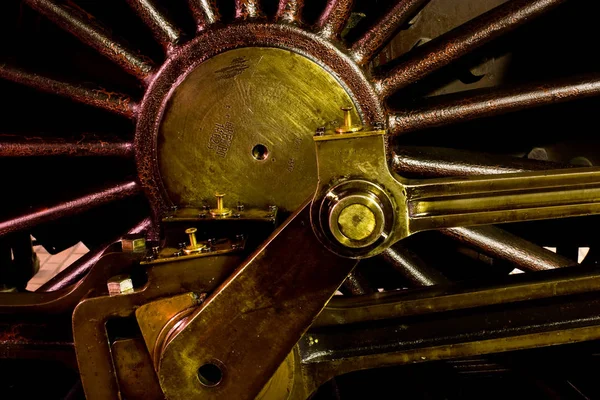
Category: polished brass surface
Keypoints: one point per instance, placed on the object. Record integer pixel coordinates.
(442, 203)
(136, 379)
(233, 102)
(357, 221)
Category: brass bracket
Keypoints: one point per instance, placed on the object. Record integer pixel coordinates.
(361, 207)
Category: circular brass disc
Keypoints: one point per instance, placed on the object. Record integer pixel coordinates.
(357, 222)
(242, 123)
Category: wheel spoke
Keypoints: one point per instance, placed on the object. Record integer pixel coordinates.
(448, 110)
(460, 41)
(334, 18)
(69, 208)
(162, 27)
(412, 267)
(290, 11)
(369, 45)
(89, 31)
(500, 244)
(468, 201)
(84, 146)
(97, 97)
(205, 13)
(248, 9)
(442, 162)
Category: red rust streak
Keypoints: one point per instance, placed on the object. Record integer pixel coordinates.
(19, 146)
(366, 47)
(83, 26)
(97, 97)
(68, 208)
(205, 12)
(451, 109)
(460, 41)
(334, 18)
(248, 9)
(290, 11)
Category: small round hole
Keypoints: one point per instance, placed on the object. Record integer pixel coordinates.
(210, 375)
(260, 152)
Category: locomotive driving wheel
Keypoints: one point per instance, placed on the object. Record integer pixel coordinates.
(251, 155)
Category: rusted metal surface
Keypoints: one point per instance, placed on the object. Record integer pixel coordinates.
(205, 13)
(231, 37)
(412, 267)
(506, 246)
(368, 45)
(87, 29)
(80, 268)
(452, 109)
(72, 207)
(290, 11)
(430, 162)
(248, 9)
(449, 47)
(162, 27)
(267, 303)
(40, 340)
(83, 146)
(94, 358)
(334, 18)
(96, 97)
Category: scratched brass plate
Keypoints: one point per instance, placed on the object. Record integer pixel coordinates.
(242, 123)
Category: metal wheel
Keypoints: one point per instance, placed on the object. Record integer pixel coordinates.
(115, 136)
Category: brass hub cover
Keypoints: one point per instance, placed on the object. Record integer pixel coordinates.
(241, 123)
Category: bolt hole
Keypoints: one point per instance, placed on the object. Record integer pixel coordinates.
(210, 375)
(260, 152)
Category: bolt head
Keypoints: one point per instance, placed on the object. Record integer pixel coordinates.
(120, 284)
(133, 243)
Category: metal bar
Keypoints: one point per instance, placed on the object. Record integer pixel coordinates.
(441, 162)
(462, 40)
(491, 240)
(486, 103)
(504, 245)
(163, 29)
(371, 42)
(468, 201)
(80, 268)
(264, 303)
(334, 18)
(412, 267)
(290, 11)
(68, 208)
(248, 9)
(84, 146)
(205, 13)
(87, 29)
(100, 98)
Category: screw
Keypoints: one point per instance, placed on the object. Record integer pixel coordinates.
(120, 284)
(320, 131)
(220, 211)
(237, 215)
(202, 215)
(378, 126)
(155, 250)
(240, 237)
(347, 116)
(192, 235)
(240, 207)
(272, 208)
